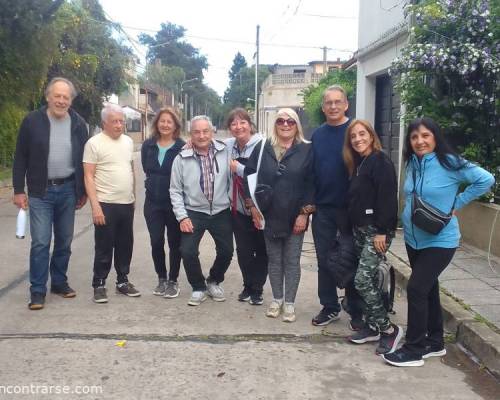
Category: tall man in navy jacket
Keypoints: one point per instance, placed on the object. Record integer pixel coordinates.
(48, 157)
(331, 184)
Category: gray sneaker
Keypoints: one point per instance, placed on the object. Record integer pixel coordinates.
(161, 287)
(197, 297)
(127, 289)
(172, 290)
(215, 291)
(100, 295)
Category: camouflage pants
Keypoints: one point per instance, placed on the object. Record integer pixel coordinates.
(366, 280)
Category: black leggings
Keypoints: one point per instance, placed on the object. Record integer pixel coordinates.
(425, 318)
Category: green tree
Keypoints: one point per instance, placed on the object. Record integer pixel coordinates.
(239, 63)
(163, 78)
(313, 94)
(170, 47)
(27, 44)
(242, 86)
(89, 56)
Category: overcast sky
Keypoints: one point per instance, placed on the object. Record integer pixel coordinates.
(297, 23)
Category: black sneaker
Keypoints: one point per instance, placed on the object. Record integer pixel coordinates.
(434, 351)
(127, 289)
(325, 317)
(389, 341)
(63, 290)
(244, 295)
(365, 335)
(403, 358)
(100, 295)
(256, 299)
(37, 301)
(356, 324)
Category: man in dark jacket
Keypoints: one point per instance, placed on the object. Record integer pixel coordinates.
(48, 158)
(331, 184)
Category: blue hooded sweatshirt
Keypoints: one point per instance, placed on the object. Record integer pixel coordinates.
(438, 187)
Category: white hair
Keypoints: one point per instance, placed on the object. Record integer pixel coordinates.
(110, 108)
(202, 118)
(53, 81)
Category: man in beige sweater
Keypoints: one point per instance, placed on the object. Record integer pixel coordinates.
(109, 181)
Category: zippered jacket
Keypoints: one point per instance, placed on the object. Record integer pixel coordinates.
(292, 183)
(157, 181)
(242, 158)
(185, 190)
(438, 187)
(32, 152)
(373, 194)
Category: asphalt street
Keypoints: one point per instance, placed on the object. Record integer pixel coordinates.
(155, 348)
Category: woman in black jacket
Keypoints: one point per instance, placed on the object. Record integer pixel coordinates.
(373, 211)
(286, 172)
(157, 156)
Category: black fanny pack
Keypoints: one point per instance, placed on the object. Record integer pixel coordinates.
(425, 216)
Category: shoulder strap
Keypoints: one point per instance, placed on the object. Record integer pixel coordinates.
(263, 143)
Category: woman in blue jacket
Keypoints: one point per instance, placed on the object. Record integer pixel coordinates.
(157, 155)
(435, 172)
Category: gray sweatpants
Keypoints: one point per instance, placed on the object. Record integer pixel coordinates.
(284, 265)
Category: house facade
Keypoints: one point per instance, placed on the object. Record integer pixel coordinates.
(378, 45)
(284, 87)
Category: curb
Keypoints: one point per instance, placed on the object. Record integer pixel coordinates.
(475, 336)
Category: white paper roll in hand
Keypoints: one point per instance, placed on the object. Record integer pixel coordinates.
(22, 217)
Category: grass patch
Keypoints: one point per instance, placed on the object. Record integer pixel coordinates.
(5, 173)
(477, 317)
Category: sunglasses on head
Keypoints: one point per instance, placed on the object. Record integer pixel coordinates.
(282, 121)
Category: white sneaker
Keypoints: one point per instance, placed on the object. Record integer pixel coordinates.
(197, 297)
(289, 313)
(215, 291)
(274, 309)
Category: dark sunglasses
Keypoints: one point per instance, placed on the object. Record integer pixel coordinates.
(282, 121)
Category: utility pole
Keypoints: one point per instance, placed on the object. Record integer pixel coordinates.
(257, 80)
(325, 55)
(185, 109)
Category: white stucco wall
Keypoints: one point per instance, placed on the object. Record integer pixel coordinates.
(375, 20)
(369, 67)
(382, 33)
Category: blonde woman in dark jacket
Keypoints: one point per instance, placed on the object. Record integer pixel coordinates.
(286, 170)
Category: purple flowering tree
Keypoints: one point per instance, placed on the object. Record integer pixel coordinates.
(449, 71)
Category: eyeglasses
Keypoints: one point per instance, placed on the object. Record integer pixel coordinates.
(282, 121)
(336, 103)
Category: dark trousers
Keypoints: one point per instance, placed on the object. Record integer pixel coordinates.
(425, 318)
(326, 223)
(157, 218)
(220, 228)
(114, 239)
(251, 252)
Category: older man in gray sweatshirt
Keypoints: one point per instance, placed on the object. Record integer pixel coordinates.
(199, 191)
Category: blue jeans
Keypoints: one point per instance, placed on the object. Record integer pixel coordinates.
(56, 210)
